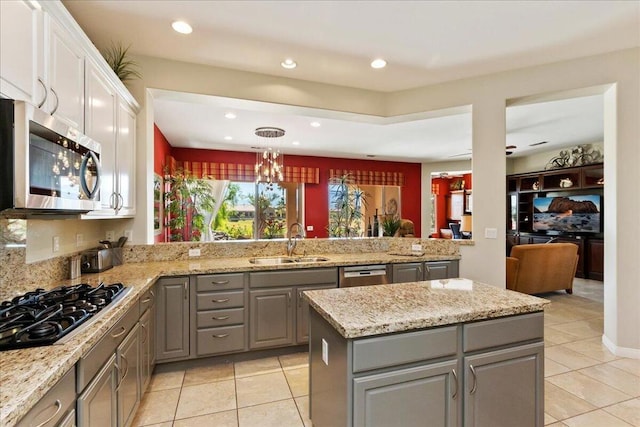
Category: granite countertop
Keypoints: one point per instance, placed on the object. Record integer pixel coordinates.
(27, 374)
(364, 311)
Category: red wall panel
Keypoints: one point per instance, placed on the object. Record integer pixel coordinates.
(161, 148)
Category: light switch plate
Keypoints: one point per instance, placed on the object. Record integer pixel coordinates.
(194, 252)
(491, 233)
(79, 240)
(325, 352)
(56, 243)
(416, 248)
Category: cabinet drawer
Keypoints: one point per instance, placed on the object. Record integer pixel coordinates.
(220, 340)
(311, 276)
(90, 363)
(211, 318)
(507, 330)
(147, 300)
(216, 282)
(55, 404)
(397, 349)
(215, 300)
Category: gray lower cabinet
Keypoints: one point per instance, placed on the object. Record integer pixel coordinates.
(97, 404)
(147, 348)
(128, 367)
(407, 397)
(220, 314)
(408, 272)
(172, 318)
(505, 387)
(488, 373)
(56, 407)
(271, 317)
(429, 270)
(302, 312)
(435, 270)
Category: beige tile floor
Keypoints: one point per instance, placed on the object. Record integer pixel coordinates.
(585, 385)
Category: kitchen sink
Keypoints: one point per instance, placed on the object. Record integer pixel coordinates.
(285, 260)
(311, 259)
(272, 260)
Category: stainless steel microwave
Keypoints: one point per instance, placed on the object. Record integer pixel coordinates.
(46, 166)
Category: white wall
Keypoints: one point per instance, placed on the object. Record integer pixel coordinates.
(488, 96)
(536, 162)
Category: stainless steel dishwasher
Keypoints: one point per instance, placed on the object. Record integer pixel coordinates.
(364, 275)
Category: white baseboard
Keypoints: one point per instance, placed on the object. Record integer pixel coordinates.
(632, 353)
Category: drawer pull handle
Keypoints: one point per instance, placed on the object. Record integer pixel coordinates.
(220, 300)
(455, 380)
(220, 335)
(220, 318)
(146, 333)
(122, 331)
(221, 282)
(475, 380)
(58, 405)
(146, 300)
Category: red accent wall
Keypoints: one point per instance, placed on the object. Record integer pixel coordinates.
(161, 148)
(442, 199)
(317, 195)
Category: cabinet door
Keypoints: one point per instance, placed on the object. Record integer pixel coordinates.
(505, 388)
(271, 318)
(418, 396)
(146, 350)
(435, 270)
(172, 318)
(97, 405)
(595, 259)
(126, 159)
(19, 29)
(128, 390)
(409, 272)
(302, 312)
(100, 121)
(66, 77)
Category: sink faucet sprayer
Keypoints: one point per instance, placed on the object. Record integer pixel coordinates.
(291, 244)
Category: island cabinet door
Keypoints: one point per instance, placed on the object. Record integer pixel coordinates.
(436, 270)
(417, 396)
(271, 318)
(504, 388)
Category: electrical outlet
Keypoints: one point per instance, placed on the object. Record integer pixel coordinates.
(325, 352)
(79, 240)
(110, 235)
(128, 234)
(416, 248)
(194, 252)
(309, 227)
(56, 243)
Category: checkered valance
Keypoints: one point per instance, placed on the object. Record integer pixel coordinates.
(370, 177)
(244, 172)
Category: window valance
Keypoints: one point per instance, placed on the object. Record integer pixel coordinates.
(243, 172)
(370, 177)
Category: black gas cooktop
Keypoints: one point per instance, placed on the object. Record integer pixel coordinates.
(42, 317)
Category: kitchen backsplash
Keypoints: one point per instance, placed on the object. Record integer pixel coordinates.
(15, 269)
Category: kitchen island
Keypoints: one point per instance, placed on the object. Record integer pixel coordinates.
(450, 352)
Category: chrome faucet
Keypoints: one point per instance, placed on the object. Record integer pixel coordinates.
(291, 244)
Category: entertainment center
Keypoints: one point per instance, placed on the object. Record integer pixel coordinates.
(560, 205)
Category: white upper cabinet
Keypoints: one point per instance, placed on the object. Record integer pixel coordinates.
(100, 124)
(20, 36)
(126, 159)
(66, 77)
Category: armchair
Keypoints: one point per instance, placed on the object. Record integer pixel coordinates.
(538, 268)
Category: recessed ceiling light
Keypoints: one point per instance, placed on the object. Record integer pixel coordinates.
(295, 143)
(230, 116)
(289, 64)
(315, 124)
(182, 27)
(228, 138)
(378, 63)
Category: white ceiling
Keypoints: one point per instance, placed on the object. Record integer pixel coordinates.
(424, 42)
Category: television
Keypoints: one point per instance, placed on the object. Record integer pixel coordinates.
(568, 214)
